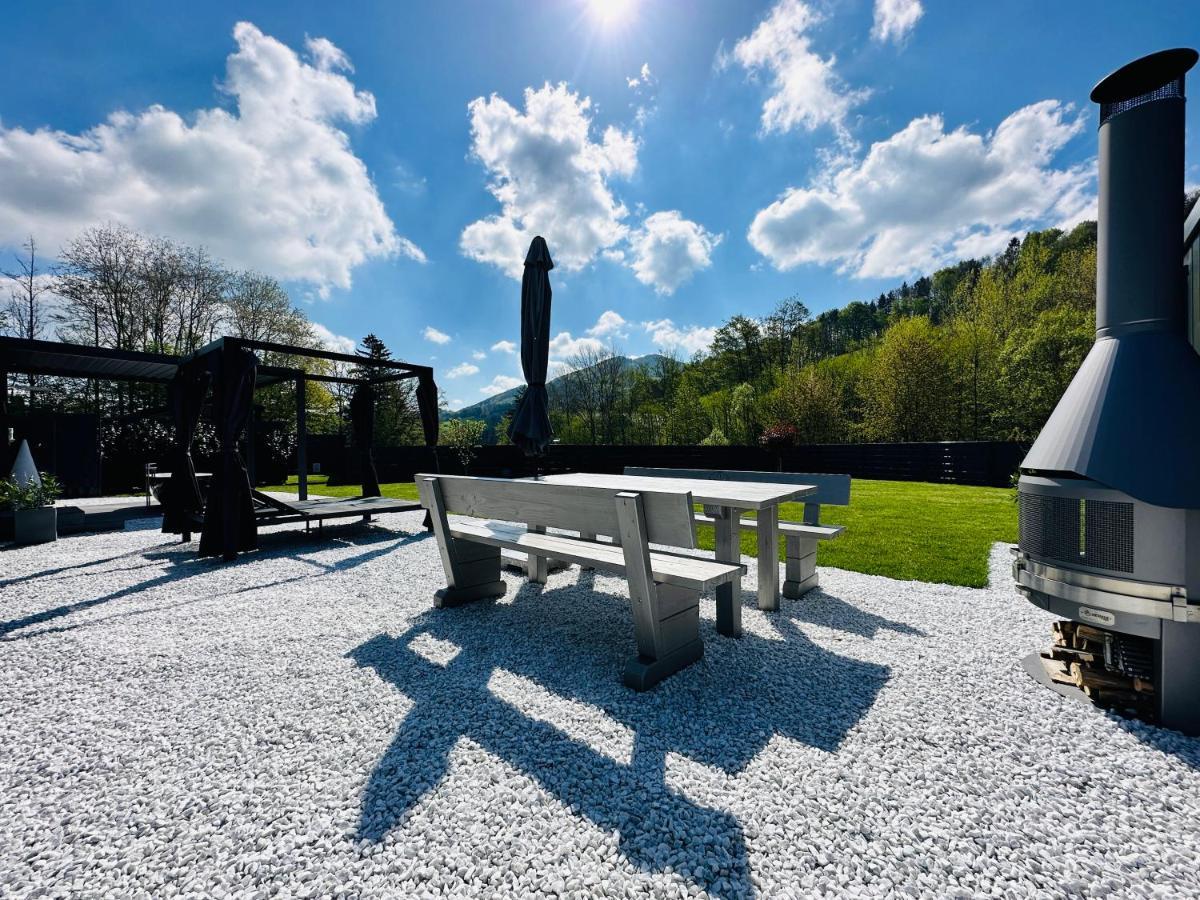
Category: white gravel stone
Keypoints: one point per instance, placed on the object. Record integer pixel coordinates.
(304, 723)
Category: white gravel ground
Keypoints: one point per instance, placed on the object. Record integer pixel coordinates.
(304, 723)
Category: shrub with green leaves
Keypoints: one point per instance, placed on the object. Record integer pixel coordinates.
(30, 495)
(463, 437)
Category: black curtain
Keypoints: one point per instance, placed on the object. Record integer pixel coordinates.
(362, 417)
(229, 525)
(427, 403)
(181, 499)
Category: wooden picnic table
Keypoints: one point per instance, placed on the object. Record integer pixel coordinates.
(724, 501)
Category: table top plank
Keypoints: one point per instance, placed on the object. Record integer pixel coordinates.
(739, 494)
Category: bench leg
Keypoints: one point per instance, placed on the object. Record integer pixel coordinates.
(728, 549)
(587, 536)
(537, 568)
(800, 569)
(474, 574)
(768, 558)
(676, 640)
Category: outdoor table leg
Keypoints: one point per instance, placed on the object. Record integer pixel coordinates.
(768, 558)
(728, 549)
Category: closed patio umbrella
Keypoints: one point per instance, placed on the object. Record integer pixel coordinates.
(530, 428)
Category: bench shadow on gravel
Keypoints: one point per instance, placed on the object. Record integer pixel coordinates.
(822, 608)
(573, 642)
(184, 565)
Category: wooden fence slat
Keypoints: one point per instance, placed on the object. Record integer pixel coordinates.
(986, 463)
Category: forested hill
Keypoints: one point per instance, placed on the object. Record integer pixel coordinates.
(978, 350)
(561, 389)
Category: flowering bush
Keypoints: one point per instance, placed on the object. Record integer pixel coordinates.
(780, 434)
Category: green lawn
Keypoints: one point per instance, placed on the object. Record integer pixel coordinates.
(902, 529)
(403, 490)
(910, 530)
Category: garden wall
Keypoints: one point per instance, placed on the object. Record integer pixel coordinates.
(987, 463)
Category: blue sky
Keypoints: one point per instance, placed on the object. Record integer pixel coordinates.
(685, 161)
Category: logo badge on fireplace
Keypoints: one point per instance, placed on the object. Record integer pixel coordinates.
(1097, 616)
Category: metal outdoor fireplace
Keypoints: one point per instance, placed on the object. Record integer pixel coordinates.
(1110, 492)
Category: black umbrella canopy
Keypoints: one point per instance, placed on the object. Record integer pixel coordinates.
(530, 428)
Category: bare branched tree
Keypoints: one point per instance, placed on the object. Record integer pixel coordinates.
(162, 272)
(101, 281)
(596, 387)
(28, 284)
(29, 287)
(199, 302)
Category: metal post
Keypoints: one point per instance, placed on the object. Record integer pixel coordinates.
(251, 456)
(301, 438)
(3, 417)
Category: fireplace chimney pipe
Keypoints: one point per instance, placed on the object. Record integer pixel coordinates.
(1138, 275)
(1128, 419)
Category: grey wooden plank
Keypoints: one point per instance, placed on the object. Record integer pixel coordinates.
(768, 558)
(701, 574)
(643, 598)
(679, 630)
(537, 568)
(728, 549)
(831, 490)
(817, 532)
(339, 508)
(572, 507)
(431, 499)
(743, 494)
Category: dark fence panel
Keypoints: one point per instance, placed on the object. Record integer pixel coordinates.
(986, 463)
(64, 444)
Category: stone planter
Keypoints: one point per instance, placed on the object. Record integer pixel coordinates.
(35, 526)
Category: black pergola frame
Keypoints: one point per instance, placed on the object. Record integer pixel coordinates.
(64, 360)
(268, 376)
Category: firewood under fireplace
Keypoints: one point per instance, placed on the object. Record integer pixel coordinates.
(1113, 670)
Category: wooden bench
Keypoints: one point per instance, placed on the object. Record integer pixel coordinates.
(664, 587)
(800, 566)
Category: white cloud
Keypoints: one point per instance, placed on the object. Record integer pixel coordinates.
(642, 78)
(463, 369)
(433, 335)
(338, 343)
(405, 179)
(609, 323)
(925, 197)
(895, 19)
(550, 178)
(669, 249)
(326, 56)
(805, 90)
(504, 347)
(478, 355)
(457, 404)
(563, 346)
(271, 184)
(500, 384)
(667, 335)
(645, 88)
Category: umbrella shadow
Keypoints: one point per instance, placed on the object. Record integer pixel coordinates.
(572, 643)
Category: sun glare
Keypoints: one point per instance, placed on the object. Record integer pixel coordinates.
(611, 13)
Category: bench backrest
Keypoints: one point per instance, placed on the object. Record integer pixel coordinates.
(832, 490)
(590, 510)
